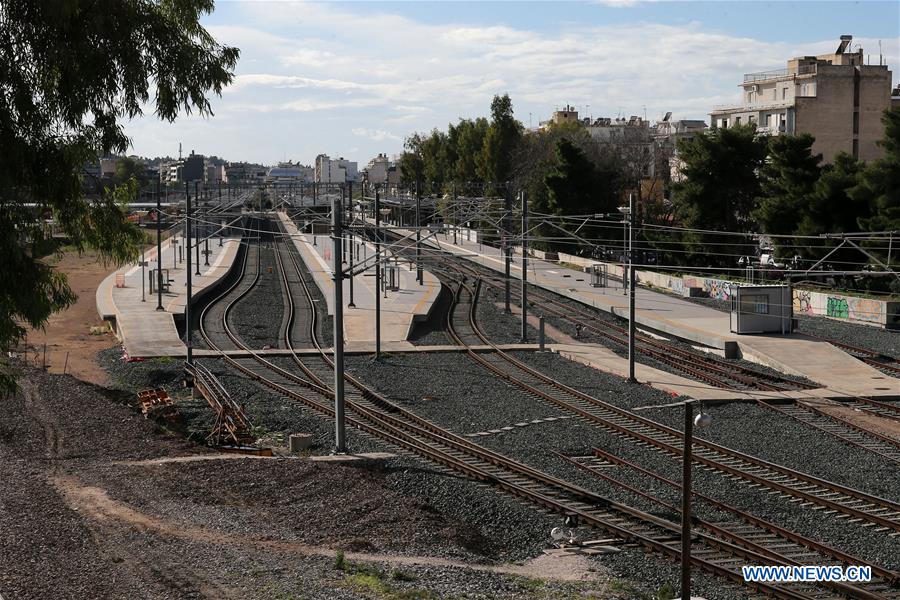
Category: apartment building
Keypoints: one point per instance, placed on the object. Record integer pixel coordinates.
(338, 170)
(835, 97)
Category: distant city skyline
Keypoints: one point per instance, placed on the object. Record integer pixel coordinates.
(354, 79)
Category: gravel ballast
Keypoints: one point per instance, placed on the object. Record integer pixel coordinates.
(451, 390)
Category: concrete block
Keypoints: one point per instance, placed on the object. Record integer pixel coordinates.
(732, 350)
(297, 442)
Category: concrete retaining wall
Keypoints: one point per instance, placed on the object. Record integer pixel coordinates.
(854, 309)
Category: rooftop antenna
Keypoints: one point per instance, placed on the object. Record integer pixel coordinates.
(179, 150)
(879, 53)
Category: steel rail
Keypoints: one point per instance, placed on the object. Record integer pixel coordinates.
(880, 512)
(458, 444)
(768, 538)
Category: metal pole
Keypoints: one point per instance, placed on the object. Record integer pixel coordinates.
(187, 306)
(419, 275)
(351, 304)
(197, 245)
(524, 267)
(686, 502)
(143, 277)
(631, 378)
(456, 223)
(377, 275)
(340, 444)
(159, 279)
(507, 246)
(542, 332)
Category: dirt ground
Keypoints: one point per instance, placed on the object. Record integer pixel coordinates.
(68, 333)
(864, 420)
(88, 510)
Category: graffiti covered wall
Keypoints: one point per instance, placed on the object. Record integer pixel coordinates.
(853, 309)
(845, 308)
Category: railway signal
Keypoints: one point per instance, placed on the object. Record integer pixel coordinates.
(701, 420)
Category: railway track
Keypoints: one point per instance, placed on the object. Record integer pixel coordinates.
(882, 445)
(375, 415)
(697, 365)
(848, 432)
(740, 527)
(773, 540)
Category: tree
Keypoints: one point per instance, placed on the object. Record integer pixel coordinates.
(577, 186)
(879, 183)
(494, 161)
(128, 168)
(787, 182)
(70, 72)
(470, 136)
(719, 192)
(412, 161)
(832, 210)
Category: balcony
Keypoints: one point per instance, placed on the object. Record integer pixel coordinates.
(763, 75)
(756, 107)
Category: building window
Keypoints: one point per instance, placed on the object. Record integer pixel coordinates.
(783, 93)
(768, 120)
(737, 121)
(774, 91)
(757, 304)
(751, 119)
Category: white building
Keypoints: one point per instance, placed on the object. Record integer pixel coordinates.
(377, 169)
(216, 173)
(290, 174)
(836, 97)
(338, 170)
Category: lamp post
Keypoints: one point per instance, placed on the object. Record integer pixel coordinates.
(197, 243)
(340, 446)
(377, 275)
(701, 420)
(524, 267)
(628, 214)
(187, 306)
(507, 247)
(159, 279)
(419, 275)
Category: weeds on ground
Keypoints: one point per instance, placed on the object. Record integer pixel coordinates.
(665, 592)
(374, 581)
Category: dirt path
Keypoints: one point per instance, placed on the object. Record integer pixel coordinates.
(68, 333)
(99, 503)
(96, 503)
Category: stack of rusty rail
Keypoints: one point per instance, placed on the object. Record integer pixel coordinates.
(232, 425)
(158, 403)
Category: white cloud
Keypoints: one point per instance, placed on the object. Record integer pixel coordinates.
(324, 76)
(378, 135)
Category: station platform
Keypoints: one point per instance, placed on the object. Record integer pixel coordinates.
(400, 310)
(839, 374)
(144, 331)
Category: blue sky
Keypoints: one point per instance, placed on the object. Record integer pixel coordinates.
(354, 79)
